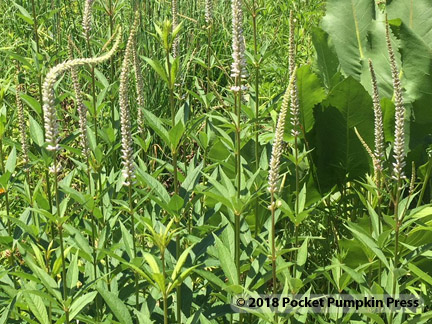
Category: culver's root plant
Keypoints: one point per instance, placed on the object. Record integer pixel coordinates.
(218, 150)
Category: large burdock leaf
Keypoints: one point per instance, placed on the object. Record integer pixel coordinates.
(310, 92)
(348, 22)
(415, 14)
(327, 61)
(339, 155)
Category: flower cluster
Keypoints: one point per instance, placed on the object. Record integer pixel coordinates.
(139, 87)
(238, 67)
(86, 23)
(174, 12)
(209, 11)
(277, 143)
(22, 123)
(379, 128)
(50, 113)
(399, 142)
(294, 108)
(81, 108)
(125, 120)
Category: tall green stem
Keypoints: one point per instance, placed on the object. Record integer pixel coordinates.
(396, 248)
(237, 214)
(425, 182)
(131, 210)
(176, 190)
(39, 77)
(164, 294)
(273, 238)
(62, 250)
(6, 193)
(257, 75)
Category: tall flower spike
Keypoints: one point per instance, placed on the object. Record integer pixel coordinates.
(238, 67)
(50, 114)
(86, 23)
(139, 87)
(294, 108)
(277, 143)
(399, 143)
(21, 122)
(209, 11)
(127, 142)
(174, 12)
(81, 108)
(379, 128)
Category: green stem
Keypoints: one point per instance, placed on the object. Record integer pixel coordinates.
(131, 210)
(6, 193)
(209, 38)
(165, 297)
(257, 74)
(425, 182)
(297, 202)
(396, 248)
(62, 250)
(237, 214)
(273, 238)
(39, 77)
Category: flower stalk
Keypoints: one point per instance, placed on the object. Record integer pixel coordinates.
(274, 172)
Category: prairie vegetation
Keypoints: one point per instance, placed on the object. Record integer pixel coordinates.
(159, 158)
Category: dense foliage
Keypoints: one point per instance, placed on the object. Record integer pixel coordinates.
(158, 158)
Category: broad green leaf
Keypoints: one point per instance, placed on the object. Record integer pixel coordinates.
(37, 307)
(369, 243)
(81, 302)
(327, 61)
(347, 22)
(226, 260)
(116, 305)
(11, 161)
(420, 273)
(310, 93)
(72, 271)
(25, 14)
(176, 203)
(155, 185)
(180, 262)
(156, 273)
(157, 66)
(175, 134)
(339, 154)
(155, 124)
(32, 103)
(36, 132)
(127, 240)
